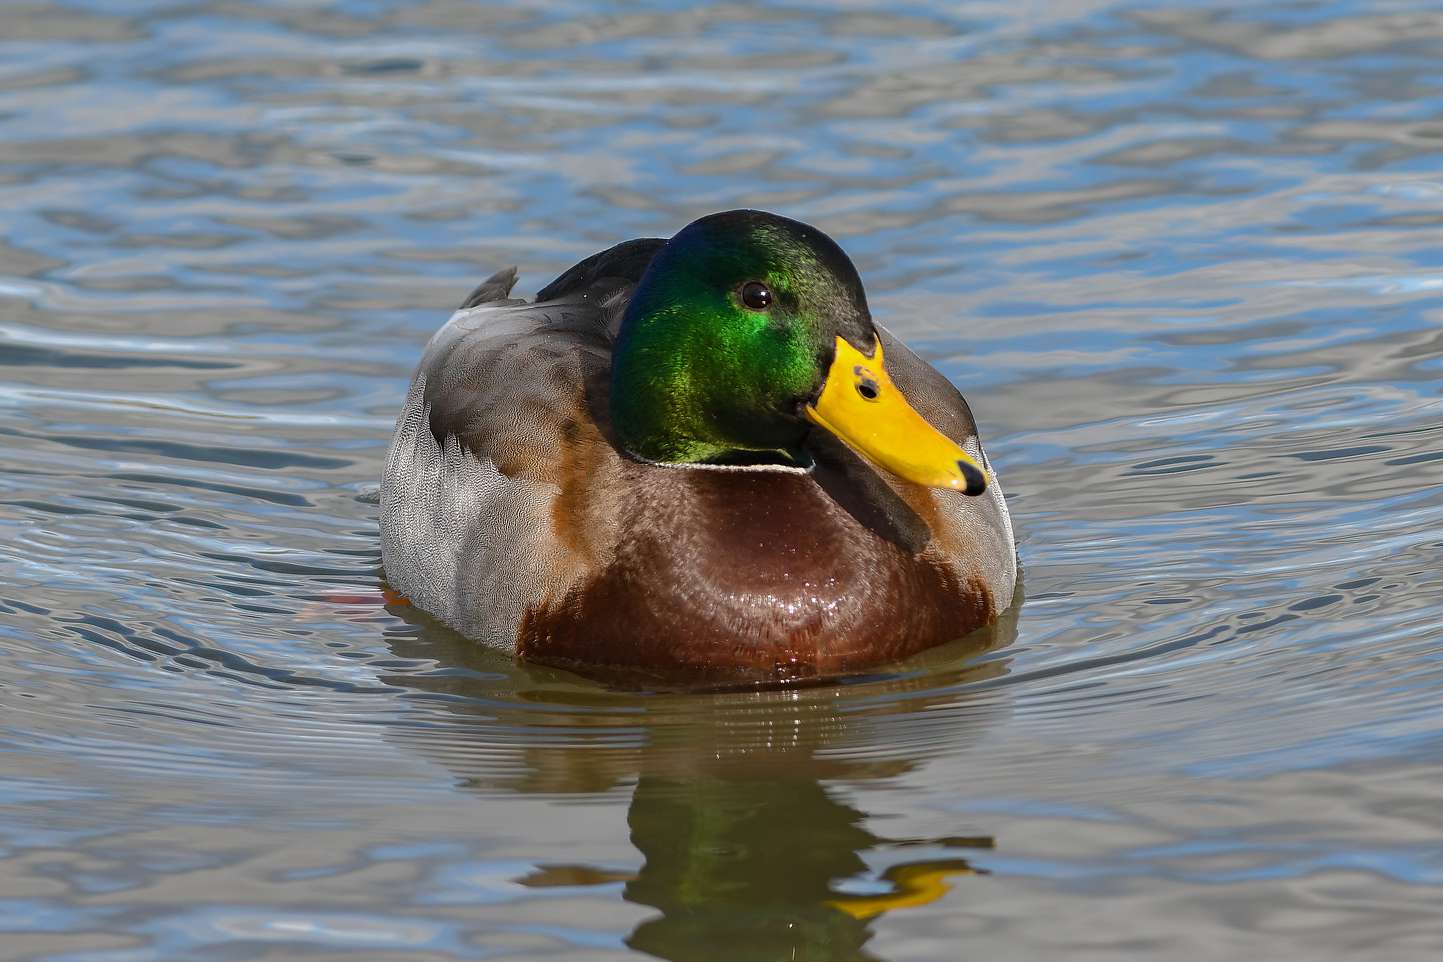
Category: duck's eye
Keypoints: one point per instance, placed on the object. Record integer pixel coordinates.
(756, 295)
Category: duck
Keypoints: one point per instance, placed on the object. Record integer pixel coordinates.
(693, 457)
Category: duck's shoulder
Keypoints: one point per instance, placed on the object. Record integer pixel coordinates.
(501, 375)
(504, 371)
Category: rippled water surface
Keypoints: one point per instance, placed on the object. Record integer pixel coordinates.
(1186, 261)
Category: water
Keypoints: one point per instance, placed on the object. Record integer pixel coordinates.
(1183, 260)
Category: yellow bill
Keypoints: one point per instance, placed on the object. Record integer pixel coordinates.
(860, 404)
(914, 884)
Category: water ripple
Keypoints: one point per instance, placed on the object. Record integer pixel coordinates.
(1180, 258)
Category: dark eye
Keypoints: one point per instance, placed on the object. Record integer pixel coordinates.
(756, 295)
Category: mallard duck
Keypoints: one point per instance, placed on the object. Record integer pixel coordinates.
(695, 456)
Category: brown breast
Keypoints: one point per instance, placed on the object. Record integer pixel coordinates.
(757, 574)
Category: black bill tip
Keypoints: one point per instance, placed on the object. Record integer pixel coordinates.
(976, 480)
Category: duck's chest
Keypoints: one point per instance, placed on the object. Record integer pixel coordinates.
(757, 572)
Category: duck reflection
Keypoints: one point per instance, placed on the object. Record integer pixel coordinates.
(754, 847)
(746, 869)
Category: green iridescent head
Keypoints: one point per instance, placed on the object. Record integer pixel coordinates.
(728, 336)
(747, 331)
